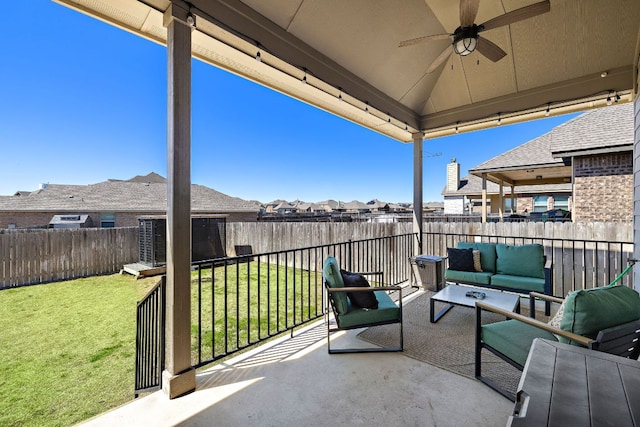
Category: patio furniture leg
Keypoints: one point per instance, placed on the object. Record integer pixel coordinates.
(435, 317)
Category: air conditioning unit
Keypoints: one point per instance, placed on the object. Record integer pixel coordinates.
(208, 239)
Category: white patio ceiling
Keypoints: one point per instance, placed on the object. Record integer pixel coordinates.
(571, 58)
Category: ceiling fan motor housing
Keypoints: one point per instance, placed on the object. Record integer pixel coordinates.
(465, 39)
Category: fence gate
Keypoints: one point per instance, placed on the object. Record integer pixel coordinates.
(150, 322)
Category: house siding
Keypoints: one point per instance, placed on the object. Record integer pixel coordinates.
(603, 188)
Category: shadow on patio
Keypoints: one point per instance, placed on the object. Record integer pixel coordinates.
(293, 381)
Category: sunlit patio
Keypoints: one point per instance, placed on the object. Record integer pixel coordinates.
(347, 61)
(293, 382)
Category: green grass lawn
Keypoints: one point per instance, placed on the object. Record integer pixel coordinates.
(67, 350)
(259, 300)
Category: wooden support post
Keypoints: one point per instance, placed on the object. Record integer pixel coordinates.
(484, 198)
(178, 378)
(417, 190)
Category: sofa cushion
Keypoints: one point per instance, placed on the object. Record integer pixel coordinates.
(586, 312)
(387, 312)
(487, 254)
(513, 338)
(521, 260)
(477, 264)
(520, 283)
(482, 278)
(460, 259)
(331, 273)
(364, 299)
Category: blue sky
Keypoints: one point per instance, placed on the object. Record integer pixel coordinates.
(81, 102)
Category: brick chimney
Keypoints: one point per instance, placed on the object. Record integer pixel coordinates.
(453, 175)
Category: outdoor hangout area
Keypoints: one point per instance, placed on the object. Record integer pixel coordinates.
(418, 342)
(435, 324)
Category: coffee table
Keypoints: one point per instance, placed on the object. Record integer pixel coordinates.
(456, 295)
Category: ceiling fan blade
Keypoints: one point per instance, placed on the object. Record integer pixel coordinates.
(468, 12)
(440, 59)
(424, 39)
(490, 50)
(517, 15)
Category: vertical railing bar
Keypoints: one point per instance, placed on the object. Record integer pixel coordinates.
(237, 305)
(199, 313)
(226, 308)
(213, 310)
(248, 303)
(259, 290)
(278, 292)
(268, 296)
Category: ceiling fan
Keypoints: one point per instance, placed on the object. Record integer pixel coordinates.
(466, 37)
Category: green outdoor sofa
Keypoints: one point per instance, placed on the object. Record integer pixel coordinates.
(515, 268)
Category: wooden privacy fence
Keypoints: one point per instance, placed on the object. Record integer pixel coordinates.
(38, 256)
(584, 254)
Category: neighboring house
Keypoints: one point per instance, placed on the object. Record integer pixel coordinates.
(584, 165)
(114, 203)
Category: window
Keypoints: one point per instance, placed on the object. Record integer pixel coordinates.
(107, 220)
(540, 203)
(561, 202)
(507, 204)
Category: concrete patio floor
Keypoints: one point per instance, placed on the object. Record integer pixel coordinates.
(294, 382)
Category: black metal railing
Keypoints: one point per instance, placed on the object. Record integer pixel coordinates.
(241, 301)
(576, 264)
(150, 324)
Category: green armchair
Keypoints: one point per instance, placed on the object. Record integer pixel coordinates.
(342, 301)
(604, 319)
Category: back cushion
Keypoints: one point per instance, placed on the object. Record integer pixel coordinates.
(331, 273)
(586, 312)
(487, 254)
(521, 260)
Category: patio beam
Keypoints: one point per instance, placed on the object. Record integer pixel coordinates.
(179, 377)
(417, 188)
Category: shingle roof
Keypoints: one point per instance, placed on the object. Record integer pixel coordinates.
(608, 127)
(535, 153)
(120, 196)
(472, 185)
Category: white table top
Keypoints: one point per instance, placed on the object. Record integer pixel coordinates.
(455, 294)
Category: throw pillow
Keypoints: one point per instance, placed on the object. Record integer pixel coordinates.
(363, 299)
(477, 265)
(460, 259)
(556, 320)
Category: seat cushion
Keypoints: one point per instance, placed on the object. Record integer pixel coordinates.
(586, 312)
(387, 312)
(487, 254)
(526, 284)
(521, 260)
(513, 338)
(331, 274)
(468, 277)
